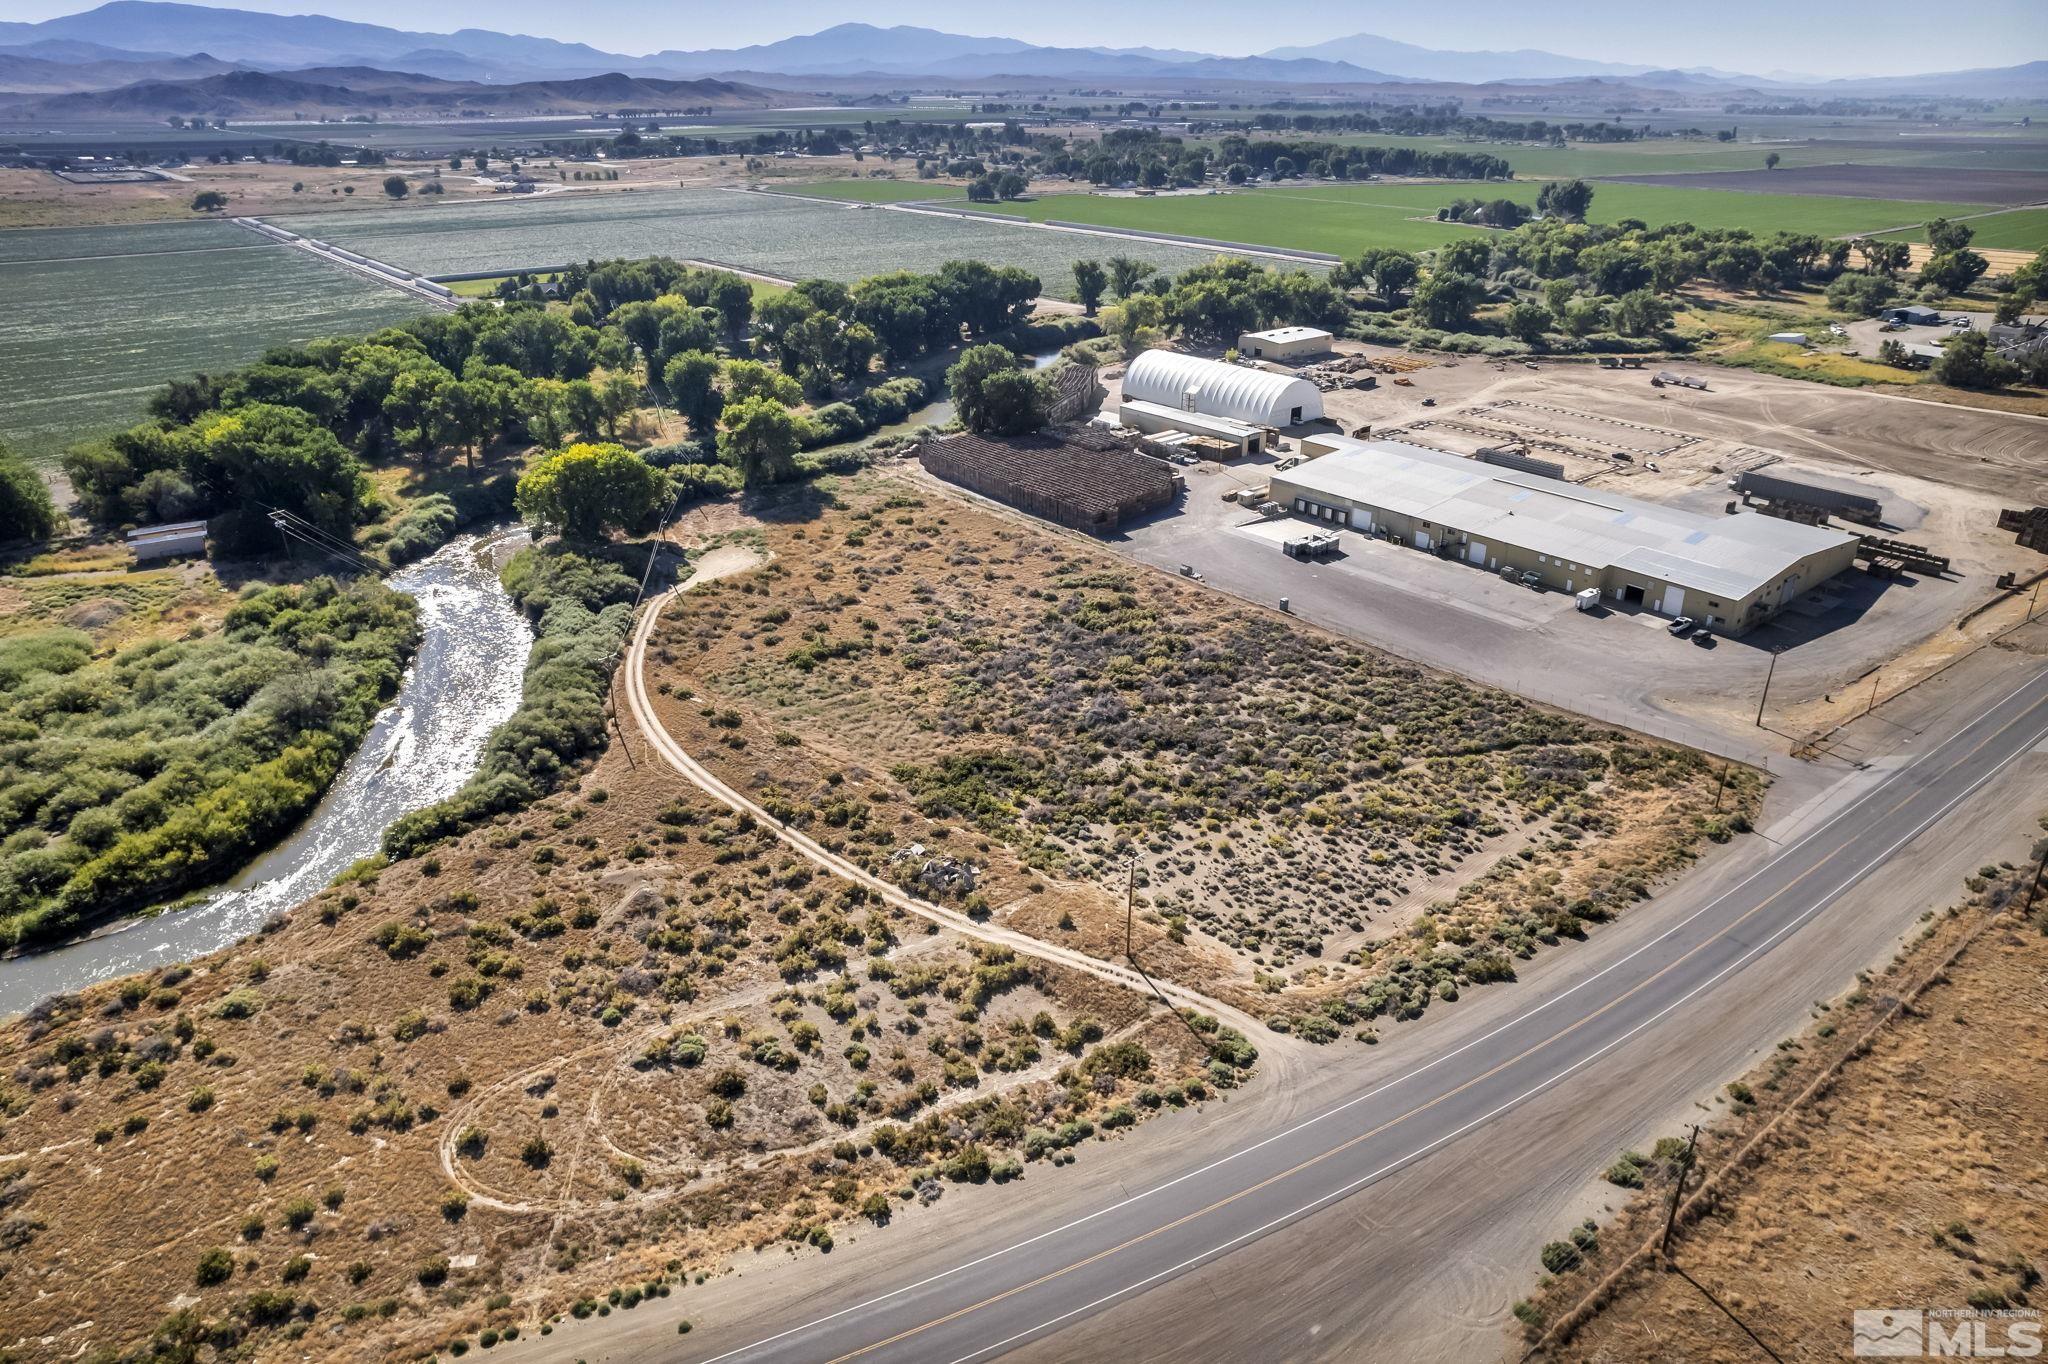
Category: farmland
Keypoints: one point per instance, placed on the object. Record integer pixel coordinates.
(98, 317)
(774, 234)
(1661, 156)
(2024, 229)
(1346, 218)
(1868, 182)
(877, 191)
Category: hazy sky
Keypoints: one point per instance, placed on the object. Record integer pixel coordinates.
(1869, 37)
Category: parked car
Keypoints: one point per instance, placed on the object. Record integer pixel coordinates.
(1429, 402)
(1532, 579)
(1704, 637)
(1681, 625)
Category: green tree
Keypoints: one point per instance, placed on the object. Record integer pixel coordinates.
(1446, 300)
(26, 511)
(209, 201)
(617, 396)
(1771, 160)
(993, 394)
(395, 186)
(751, 379)
(691, 379)
(1387, 272)
(1570, 200)
(1465, 256)
(759, 438)
(1089, 281)
(1954, 271)
(1641, 313)
(1125, 275)
(1527, 321)
(543, 406)
(1969, 362)
(1945, 235)
(587, 491)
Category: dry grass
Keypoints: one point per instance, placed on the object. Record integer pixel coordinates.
(910, 669)
(719, 1049)
(1914, 1176)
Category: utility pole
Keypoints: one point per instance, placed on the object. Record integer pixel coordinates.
(2034, 884)
(1678, 1188)
(1873, 693)
(1130, 904)
(1721, 785)
(1768, 675)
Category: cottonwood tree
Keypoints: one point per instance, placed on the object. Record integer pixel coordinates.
(993, 394)
(586, 491)
(759, 438)
(1089, 281)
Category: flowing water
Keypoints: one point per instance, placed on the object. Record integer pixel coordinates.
(463, 683)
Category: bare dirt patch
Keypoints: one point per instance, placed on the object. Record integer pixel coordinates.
(912, 677)
(1912, 1177)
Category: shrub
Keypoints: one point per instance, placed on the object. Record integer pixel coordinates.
(215, 1266)
(1560, 1257)
(432, 1273)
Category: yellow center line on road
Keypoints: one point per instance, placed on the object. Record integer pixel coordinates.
(1404, 1116)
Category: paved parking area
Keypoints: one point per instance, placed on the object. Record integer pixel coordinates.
(1616, 664)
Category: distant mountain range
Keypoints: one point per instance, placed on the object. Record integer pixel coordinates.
(130, 41)
(336, 92)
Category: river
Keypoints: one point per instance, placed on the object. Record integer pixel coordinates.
(462, 684)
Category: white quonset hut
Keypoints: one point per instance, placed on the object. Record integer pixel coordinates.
(1188, 383)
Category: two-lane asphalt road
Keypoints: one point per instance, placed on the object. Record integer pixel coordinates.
(993, 1287)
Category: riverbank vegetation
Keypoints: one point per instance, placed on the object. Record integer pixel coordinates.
(562, 1066)
(128, 777)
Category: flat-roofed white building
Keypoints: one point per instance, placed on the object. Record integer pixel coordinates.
(1189, 383)
(1284, 343)
(1151, 418)
(167, 541)
(1732, 572)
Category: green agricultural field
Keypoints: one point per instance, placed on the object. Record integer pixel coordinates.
(1346, 218)
(97, 317)
(775, 234)
(872, 191)
(2023, 229)
(1298, 220)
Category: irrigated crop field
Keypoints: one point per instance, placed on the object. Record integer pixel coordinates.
(1347, 218)
(2024, 229)
(97, 317)
(1673, 156)
(876, 191)
(776, 234)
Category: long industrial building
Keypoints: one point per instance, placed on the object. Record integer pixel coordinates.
(1188, 383)
(1730, 572)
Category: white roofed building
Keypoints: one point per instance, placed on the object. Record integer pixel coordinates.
(1284, 343)
(1212, 388)
(1732, 572)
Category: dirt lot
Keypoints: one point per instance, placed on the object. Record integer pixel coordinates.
(594, 1050)
(1911, 1179)
(1942, 184)
(1941, 473)
(1307, 819)
(33, 198)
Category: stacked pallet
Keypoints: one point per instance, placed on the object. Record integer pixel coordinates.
(1075, 476)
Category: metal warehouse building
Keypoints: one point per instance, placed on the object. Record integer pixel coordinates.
(1284, 343)
(1731, 572)
(1189, 383)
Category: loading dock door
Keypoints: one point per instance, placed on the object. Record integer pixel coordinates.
(1476, 552)
(1674, 601)
(1422, 539)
